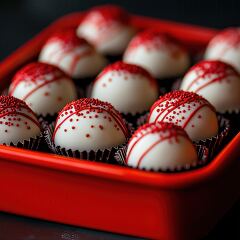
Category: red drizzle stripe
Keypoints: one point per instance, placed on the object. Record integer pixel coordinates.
(33, 72)
(135, 143)
(151, 128)
(180, 98)
(38, 87)
(153, 145)
(211, 67)
(210, 82)
(63, 53)
(192, 114)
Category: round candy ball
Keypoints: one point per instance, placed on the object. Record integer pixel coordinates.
(129, 88)
(72, 54)
(108, 28)
(225, 46)
(17, 121)
(160, 146)
(216, 81)
(161, 55)
(89, 124)
(187, 110)
(45, 88)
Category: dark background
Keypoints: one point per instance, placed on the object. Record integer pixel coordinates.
(22, 19)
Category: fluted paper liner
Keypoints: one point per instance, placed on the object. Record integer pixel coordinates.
(31, 144)
(214, 143)
(234, 117)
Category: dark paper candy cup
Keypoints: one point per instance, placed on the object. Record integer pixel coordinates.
(214, 144)
(234, 118)
(31, 144)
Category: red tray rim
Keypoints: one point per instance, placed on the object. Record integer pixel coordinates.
(103, 170)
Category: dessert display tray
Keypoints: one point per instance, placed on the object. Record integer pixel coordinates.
(113, 198)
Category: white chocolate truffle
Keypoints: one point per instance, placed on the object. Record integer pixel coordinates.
(129, 88)
(45, 88)
(216, 81)
(73, 55)
(225, 46)
(17, 121)
(188, 110)
(107, 28)
(89, 124)
(158, 53)
(160, 146)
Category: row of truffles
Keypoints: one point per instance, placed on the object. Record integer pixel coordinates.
(128, 87)
(83, 124)
(47, 86)
(107, 31)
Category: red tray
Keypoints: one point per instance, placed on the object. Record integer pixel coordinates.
(112, 198)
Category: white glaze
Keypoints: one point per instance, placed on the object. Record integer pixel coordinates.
(163, 154)
(158, 61)
(221, 48)
(47, 94)
(127, 92)
(83, 136)
(89, 62)
(111, 40)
